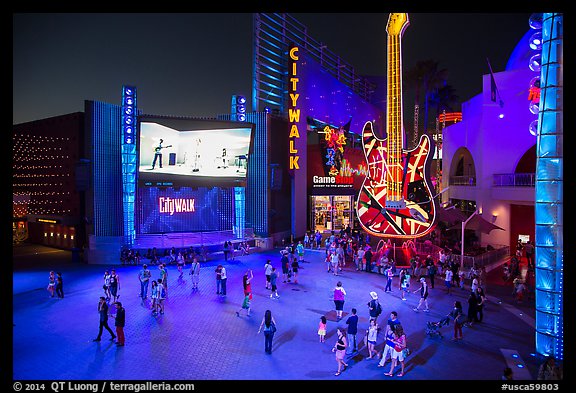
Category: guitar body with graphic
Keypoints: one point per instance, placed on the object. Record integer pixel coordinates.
(396, 198)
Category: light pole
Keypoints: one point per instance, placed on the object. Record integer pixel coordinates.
(462, 245)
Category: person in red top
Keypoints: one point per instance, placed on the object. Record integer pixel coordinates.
(400, 344)
(248, 276)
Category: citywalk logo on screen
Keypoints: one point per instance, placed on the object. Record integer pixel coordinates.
(175, 205)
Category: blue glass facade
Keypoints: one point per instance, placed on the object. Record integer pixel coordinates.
(105, 141)
(549, 194)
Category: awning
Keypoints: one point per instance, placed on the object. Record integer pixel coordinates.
(450, 215)
(477, 223)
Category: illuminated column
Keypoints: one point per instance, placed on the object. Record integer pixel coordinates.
(128, 161)
(239, 209)
(549, 194)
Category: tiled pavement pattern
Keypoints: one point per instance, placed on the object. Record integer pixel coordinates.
(201, 338)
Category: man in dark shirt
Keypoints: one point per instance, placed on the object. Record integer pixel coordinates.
(103, 311)
(368, 258)
(351, 332)
(120, 321)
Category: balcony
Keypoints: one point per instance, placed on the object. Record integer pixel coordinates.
(463, 180)
(514, 180)
(514, 187)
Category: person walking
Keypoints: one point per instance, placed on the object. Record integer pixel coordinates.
(448, 274)
(529, 250)
(51, 288)
(340, 350)
(144, 278)
(114, 285)
(226, 250)
(195, 273)
(368, 258)
(180, 263)
(155, 296)
(400, 344)
(119, 323)
(472, 308)
(106, 285)
(481, 298)
(389, 337)
(374, 307)
(457, 316)
(218, 271)
(414, 264)
(285, 264)
(161, 296)
(223, 280)
(339, 298)
(389, 277)
(482, 278)
(423, 295)
(334, 261)
(322, 328)
(474, 283)
(432, 273)
(273, 286)
(268, 325)
(352, 332)
(268, 273)
(404, 283)
(371, 337)
(103, 314)
(300, 251)
(361, 261)
(295, 267)
(59, 285)
(164, 277)
(246, 279)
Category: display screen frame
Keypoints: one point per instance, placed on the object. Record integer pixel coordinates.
(179, 172)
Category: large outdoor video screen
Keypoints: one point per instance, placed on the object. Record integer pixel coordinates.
(184, 209)
(185, 152)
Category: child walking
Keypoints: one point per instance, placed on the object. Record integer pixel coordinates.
(322, 329)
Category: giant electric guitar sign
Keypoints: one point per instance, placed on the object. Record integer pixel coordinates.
(395, 199)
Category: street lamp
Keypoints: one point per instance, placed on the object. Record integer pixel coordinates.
(462, 246)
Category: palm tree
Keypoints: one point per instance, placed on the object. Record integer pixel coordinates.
(433, 80)
(414, 80)
(444, 98)
(424, 76)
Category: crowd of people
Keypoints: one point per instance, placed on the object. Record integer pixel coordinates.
(343, 251)
(183, 256)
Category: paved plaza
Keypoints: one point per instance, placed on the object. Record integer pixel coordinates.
(200, 337)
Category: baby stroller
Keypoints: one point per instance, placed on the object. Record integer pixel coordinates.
(433, 328)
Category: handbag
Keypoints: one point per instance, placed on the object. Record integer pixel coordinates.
(406, 352)
(273, 327)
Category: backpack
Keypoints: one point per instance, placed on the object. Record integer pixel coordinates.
(378, 309)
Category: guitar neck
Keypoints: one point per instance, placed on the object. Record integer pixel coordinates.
(395, 141)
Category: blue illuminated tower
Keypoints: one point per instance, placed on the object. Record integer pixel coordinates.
(129, 161)
(549, 193)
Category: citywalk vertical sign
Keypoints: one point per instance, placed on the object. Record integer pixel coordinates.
(293, 109)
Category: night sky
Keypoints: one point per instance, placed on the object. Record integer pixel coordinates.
(190, 64)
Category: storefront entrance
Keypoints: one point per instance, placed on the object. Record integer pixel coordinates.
(331, 212)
